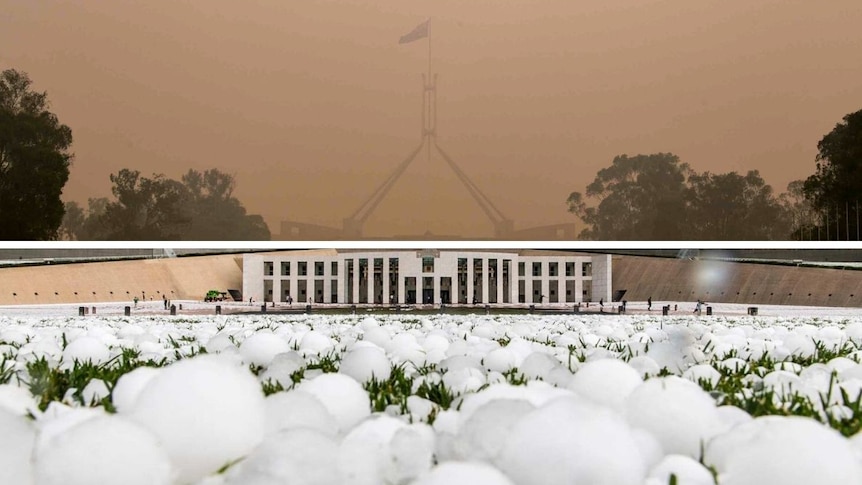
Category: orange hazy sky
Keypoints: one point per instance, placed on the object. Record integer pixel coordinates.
(312, 103)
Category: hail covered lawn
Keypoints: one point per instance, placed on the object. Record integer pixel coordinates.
(401, 399)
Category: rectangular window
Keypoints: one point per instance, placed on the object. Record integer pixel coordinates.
(267, 268)
(537, 269)
(318, 268)
(570, 268)
(553, 269)
(285, 268)
(587, 269)
(334, 268)
(428, 265)
(303, 268)
(521, 269)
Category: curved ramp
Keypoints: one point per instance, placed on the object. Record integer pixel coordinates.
(186, 278)
(669, 279)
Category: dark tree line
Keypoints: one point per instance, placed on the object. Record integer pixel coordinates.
(34, 168)
(657, 197)
(34, 161)
(199, 207)
(834, 191)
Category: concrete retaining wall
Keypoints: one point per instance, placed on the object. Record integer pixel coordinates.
(178, 278)
(671, 279)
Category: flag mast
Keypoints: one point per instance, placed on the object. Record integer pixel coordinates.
(429, 89)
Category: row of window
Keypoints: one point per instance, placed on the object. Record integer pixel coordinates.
(427, 267)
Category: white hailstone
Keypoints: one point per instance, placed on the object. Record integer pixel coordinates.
(315, 343)
(687, 470)
(16, 400)
(571, 440)
(103, 450)
(296, 456)
(702, 372)
(853, 388)
(95, 391)
(457, 348)
(261, 348)
(676, 411)
(129, 331)
(218, 342)
(204, 411)
(559, 376)
(343, 397)
(789, 450)
(853, 332)
(732, 415)
(483, 433)
(58, 418)
(734, 364)
(16, 447)
(655, 334)
(458, 362)
(799, 345)
(378, 336)
(840, 364)
(520, 348)
(649, 447)
(384, 449)
(464, 380)
(839, 412)
(831, 336)
(368, 323)
(85, 349)
(435, 341)
(856, 443)
(298, 409)
(129, 386)
(599, 354)
(782, 382)
(499, 360)
(464, 473)
(365, 363)
(645, 366)
(153, 351)
(282, 367)
(592, 340)
(485, 331)
(419, 407)
(796, 368)
(405, 348)
(667, 355)
(608, 382)
(538, 365)
(16, 335)
(47, 349)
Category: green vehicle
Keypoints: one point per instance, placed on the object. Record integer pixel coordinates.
(215, 295)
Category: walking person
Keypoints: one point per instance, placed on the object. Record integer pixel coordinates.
(165, 298)
(601, 304)
(649, 303)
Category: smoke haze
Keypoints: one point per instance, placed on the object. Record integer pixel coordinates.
(311, 104)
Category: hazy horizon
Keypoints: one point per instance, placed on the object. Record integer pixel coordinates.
(312, 104)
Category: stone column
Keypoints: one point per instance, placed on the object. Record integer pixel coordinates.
(470, 276)
(342, 298)
(355, 280)
(276, 284)
(485, 279)
(386, 289)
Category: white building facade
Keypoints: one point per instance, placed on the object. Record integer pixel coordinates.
(449, 276)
